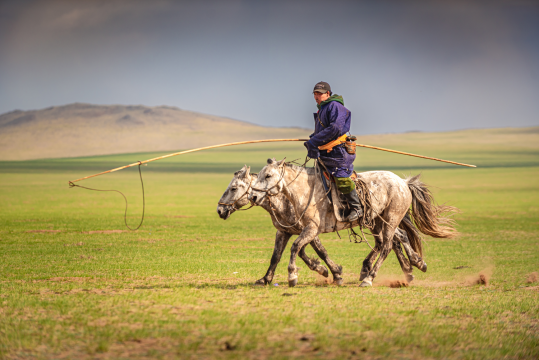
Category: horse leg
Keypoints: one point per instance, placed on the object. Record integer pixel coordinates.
(415, 259)
(313, 264)
(385, 236)
(307, 235)
(336, 270)
(281, 239)
(367, 263)
(369, 260)
(403, 261)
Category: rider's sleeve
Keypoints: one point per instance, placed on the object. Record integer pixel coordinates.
(336, 115)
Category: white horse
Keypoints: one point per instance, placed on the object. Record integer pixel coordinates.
(308, 212)
(236, 196)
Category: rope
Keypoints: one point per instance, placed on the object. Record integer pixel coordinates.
(72, 185)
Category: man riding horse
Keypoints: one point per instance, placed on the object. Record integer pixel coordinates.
(327, 143)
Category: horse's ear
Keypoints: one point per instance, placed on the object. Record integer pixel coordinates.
(247, 171)
(240, 172)
(271, 161)
(280, 163)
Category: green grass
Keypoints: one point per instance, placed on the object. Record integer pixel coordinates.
(181, 286)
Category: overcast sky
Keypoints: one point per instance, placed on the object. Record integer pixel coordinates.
(400, 65)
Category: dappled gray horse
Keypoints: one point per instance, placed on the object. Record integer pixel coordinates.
(311, 212)
(236, 196)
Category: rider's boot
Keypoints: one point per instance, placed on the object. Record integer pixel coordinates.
(356, 211)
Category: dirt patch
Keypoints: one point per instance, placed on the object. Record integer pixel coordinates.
(398, 284)
(306, 337)
(393, 282)
(483, 278)
(43, 231)
(105, 232)
(532, 278)
(323, 281)
(461, 267)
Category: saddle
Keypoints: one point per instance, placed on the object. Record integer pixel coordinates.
(340, 205)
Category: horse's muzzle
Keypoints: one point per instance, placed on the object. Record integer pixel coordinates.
(224, 212)
(256, 197)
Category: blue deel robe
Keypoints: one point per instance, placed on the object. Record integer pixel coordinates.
(336, 121)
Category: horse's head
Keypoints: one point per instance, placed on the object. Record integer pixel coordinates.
(269, 181)
(236, 194)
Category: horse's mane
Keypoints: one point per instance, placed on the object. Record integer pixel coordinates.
(308, 170)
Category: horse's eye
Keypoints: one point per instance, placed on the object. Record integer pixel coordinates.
(234, 189)
(268, 176)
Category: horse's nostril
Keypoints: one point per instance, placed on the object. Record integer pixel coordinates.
(219, 211)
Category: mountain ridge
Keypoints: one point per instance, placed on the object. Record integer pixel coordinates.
(82, 129)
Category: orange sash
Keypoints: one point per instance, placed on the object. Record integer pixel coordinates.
(330, 145)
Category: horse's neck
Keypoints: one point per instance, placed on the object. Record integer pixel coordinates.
(277, 205)
(297, 187)
(278, 202)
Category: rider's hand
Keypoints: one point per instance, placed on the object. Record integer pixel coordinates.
(312, 150)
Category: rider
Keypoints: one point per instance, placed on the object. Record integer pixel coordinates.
(332, 122)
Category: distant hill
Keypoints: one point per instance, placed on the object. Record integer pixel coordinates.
(84, 130)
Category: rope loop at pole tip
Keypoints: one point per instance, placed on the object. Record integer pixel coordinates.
(72, 185)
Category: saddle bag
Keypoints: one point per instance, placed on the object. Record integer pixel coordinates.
(350, 144)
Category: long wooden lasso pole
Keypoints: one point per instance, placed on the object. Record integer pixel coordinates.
(255, 142)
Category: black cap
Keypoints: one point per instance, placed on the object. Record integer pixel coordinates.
(322, 87)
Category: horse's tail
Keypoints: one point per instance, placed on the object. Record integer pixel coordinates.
(430, 218)
(414, 236)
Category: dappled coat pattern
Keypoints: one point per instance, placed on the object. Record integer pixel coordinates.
(235, 197)
(312, 213)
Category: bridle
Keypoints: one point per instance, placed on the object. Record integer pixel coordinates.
(270, 195)
(233, 204)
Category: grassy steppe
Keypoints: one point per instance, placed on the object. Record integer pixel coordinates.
(181, 286)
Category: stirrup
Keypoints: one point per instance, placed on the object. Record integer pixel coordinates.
(354, 215)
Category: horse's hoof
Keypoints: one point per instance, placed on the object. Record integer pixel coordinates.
(410, 278)
(424, 267)
(338, 282)
(322, 270)
(363, 276)
(260, 282)
(292, 283)
(365, 283)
